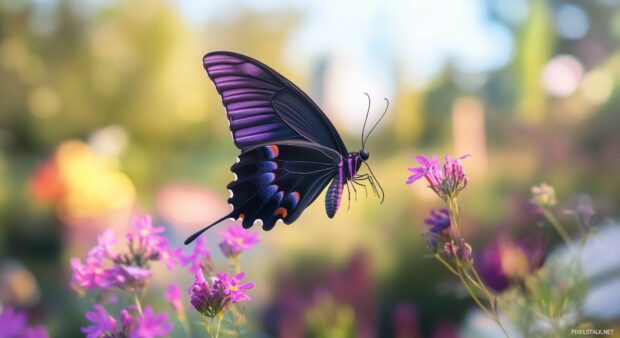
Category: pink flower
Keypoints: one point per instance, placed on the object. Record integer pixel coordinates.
(445, 183)
(168, 256)
(237, 239)
(105, 242)
(132, 277)
(145, 234)
(104, 324)
(36, 332)
(151, 325)
(90, 275)
(200, 254)
(127, 320)
(12, 322)
(234, 288)
(13, 325)
(173, 295)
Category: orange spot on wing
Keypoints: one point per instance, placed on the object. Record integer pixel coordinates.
(281, 212)
(275, 150)
(241, 216)
(297, 196)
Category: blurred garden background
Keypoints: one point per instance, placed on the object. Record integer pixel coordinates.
(106, 112)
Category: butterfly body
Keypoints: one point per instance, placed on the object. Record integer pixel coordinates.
(290, 151)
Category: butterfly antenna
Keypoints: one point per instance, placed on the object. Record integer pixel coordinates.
(366, 119)
(387, 105)
(201, 231)
(379, 184)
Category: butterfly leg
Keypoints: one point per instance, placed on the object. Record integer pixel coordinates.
(348, 196)
(366, 177)
(355, 191)
(357, 181)
(372, 184)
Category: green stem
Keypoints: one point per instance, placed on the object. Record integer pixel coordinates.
(475, 297)
(480, 284)
(185, 325)
(136, 300)
(461, 270)
(235, 262)
(210, 327)
(558, 227)
(453, 205)
(446, 264)
(219, 324)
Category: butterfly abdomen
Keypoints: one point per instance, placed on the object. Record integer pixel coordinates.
(334, 193)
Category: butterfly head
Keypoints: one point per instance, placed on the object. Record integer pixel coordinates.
(364, 154)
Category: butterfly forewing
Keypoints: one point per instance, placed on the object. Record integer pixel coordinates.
(264, 107)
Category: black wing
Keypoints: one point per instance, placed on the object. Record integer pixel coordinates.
(278, 181)
(263, 107)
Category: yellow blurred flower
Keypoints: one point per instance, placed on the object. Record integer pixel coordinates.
(82, 183)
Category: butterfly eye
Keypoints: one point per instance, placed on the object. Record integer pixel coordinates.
(364, 154)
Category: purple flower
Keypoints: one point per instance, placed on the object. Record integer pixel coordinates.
(168, 256)
(237, 239)
(504, 262)
(445, 183)
(104, 324)
(234, 288)
(105, 242)
(35, 332)
(133, 277)
(173, 295)
(439, 221)
(151, 325)
(208, 301)
(145, 234)
(13, 325)
(90, 275)
(461, 250)
(200, 254)
(127, 320)
(12, 322)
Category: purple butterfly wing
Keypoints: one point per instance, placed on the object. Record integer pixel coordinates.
(264, 107)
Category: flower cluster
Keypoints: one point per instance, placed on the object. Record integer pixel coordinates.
(104, 270)
(237, 239)
(214, 300)
(132, 324)
(13, 324)
(543, 196)
(446, 182)
(440, 234)
(443, 237)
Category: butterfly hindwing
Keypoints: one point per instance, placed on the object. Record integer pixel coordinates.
(264, 107)
(279, 180)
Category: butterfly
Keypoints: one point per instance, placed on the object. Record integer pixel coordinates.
(290, 151)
